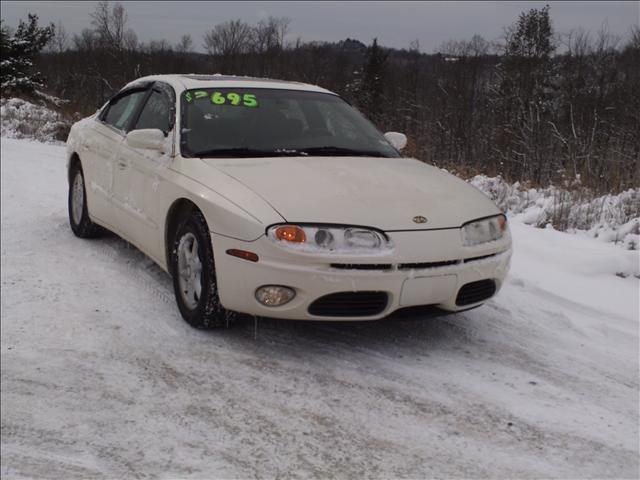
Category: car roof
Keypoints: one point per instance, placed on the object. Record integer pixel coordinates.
(189, 81)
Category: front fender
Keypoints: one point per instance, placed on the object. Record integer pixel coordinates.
(230, 208)
(223, 215)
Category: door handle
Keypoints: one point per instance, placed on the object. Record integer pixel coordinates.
(122, 164)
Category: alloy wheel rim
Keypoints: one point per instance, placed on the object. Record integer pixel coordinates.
(189, 270)
(77, 198)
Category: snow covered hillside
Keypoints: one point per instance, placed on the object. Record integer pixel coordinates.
(609, 218)
(102, 378)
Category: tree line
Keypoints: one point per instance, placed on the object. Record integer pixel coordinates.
(536, 107)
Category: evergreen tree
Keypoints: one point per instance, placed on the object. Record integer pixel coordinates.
(526, 93)
(17, 72)
(528, 54)
(370, 82)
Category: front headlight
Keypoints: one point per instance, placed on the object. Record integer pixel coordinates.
(484, 230)
(321, 239)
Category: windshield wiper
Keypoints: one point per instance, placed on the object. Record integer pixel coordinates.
(240, 152)
(341, 151)
(235, 152)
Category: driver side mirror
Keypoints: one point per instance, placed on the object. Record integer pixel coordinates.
(398, 140)
(147, 138)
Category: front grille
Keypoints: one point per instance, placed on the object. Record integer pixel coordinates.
(350, 304)
(362, 266)
(410, 266)
(475, 292)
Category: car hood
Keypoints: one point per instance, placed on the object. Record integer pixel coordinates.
(385, 193)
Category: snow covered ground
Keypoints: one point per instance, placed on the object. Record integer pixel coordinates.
(102, 379)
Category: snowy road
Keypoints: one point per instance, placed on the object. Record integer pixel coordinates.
(102, 379)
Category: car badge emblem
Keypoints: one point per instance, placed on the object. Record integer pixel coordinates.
(420, 219)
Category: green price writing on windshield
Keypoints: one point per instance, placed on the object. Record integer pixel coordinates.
(233, 98)
(199, 94)
(219, 98)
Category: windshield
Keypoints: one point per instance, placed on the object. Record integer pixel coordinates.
(242, 122)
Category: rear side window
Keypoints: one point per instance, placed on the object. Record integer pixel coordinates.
(122, 109)
(156, 113)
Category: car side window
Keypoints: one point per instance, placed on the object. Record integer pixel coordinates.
(121, 110)
(156, 113)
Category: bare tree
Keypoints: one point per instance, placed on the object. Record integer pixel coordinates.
(606, 42)
(85, 41)
(282, 28)
(228, 38)
(110, 26)
(185, 45)
(449, 48)
(264, 36)
(130, 40)
(269, 34)
(267, 40)
(226, 43)
(577, 42)
(475, 47)
(157, 46)
(60, 42)
(635, 37)
(478, 46)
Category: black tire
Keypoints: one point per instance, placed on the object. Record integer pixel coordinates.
(80, 223)
(208, 312)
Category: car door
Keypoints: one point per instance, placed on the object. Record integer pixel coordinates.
(139, 172)
(103, 145)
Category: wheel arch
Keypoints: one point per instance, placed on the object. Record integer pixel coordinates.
(180, 208)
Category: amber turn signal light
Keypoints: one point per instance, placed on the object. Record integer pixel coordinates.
(243, 254)
(502, 222)
(291, 233)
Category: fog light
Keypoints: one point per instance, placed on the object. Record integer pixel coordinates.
(274, 295)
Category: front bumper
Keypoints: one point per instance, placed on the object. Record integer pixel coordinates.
(424, 268)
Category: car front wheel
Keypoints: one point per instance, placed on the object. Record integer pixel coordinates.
(194, 275)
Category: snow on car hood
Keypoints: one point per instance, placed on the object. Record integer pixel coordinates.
(386, 193)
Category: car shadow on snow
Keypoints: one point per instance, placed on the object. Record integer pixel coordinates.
(409, 329)
(395, 336)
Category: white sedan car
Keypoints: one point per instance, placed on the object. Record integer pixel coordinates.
(279, 199)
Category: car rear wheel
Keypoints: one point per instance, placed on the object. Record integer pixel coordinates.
(194, 275)
(79, 220)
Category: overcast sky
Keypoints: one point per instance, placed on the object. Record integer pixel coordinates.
(395, 24)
